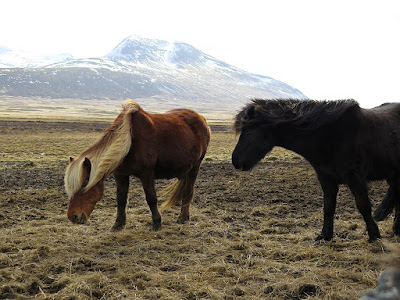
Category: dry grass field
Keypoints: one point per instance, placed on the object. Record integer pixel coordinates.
(251, 235)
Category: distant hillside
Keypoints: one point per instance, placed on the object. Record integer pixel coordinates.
(141, 68)
(22, 59)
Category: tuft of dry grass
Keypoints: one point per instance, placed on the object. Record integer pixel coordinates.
(250, 236)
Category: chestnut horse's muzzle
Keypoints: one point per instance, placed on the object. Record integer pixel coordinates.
(79, 219)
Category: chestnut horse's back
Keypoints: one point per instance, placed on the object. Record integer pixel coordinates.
(197, 124)
(177, 140)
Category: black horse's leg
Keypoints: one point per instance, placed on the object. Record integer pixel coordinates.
(396, 200)
(330, 190)
(358, 187)
(396, 222)
(122, 196)
(188, 194)
(151, 198)
(386, 207)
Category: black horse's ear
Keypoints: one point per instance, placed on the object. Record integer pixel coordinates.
(71, 159)
(249, 113)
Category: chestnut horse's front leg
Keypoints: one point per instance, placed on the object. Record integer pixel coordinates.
(151, 198)
(122, 196)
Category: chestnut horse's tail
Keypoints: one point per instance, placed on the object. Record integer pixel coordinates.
(176, 192)
(386, 206)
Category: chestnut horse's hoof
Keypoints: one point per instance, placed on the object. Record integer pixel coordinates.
(182, 219)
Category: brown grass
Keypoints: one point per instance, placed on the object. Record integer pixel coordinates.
(251, 236)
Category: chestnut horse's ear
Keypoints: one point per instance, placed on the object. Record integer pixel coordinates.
(87, 165)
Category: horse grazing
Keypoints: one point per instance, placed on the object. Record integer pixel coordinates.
(147, 146)
(344, 143)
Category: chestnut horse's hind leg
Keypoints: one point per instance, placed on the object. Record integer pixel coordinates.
(360, 191)
(122, 196)
(187, 194)
(151, 198)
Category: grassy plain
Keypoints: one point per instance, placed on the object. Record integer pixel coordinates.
(251, 235)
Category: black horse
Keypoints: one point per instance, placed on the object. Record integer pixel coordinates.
(343, 142)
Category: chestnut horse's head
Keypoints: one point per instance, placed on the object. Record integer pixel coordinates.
(82, 198)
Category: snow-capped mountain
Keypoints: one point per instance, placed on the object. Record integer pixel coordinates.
(24, 59)
(140, 68)
(136, 51)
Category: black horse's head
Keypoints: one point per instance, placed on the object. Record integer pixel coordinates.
(258, 124)
(255, 139)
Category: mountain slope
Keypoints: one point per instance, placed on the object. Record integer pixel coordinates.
(141, 68)
(22, 59)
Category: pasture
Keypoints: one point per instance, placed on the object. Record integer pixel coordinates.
(250, 236)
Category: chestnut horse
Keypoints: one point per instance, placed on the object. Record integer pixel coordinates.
(343, 142)
(147, 146)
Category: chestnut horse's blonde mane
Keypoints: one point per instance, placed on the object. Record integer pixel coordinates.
(105, 155)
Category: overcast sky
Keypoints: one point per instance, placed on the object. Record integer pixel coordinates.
(327, 49)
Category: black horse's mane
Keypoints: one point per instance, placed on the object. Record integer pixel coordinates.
(301, 114)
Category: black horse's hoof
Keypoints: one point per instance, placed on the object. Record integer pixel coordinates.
(117, 227)
(321, 237)
(396, 231)
(373, 239)
(375, 235)
(373, 232)
(156, 226)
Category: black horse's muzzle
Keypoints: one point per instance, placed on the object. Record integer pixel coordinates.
(240, 164)
(243, 167)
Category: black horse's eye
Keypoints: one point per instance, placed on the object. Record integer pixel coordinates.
(246, 129)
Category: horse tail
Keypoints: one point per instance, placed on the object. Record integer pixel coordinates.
(386, 206)
(175, 192)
